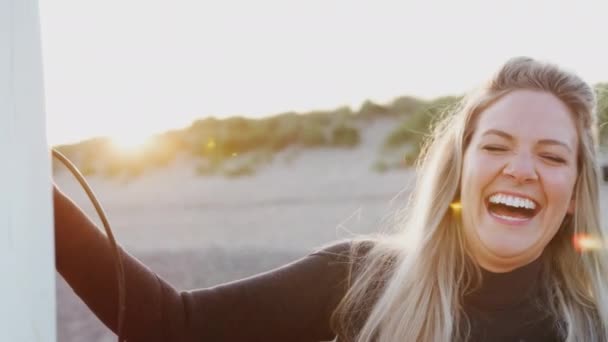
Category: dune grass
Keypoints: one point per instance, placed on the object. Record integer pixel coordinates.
(238, 146)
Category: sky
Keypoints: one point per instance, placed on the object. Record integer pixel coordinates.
(131, 68)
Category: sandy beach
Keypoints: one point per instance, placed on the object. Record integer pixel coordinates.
(199, 231)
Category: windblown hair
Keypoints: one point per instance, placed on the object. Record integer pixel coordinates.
(409, 285)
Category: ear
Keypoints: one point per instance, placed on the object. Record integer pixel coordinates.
(571, 207)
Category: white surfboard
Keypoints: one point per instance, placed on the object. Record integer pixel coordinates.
(27, 262)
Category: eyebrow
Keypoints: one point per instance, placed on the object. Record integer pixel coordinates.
(542, 141)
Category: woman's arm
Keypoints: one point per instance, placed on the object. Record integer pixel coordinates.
(84, 258)
(291, 303)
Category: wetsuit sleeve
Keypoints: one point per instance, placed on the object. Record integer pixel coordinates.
(291, 303)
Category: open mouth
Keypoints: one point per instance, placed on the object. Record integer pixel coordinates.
(512, 208)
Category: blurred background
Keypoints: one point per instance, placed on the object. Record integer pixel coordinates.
(228, 138)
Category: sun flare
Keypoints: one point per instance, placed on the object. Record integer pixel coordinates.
(130, 142)
(583, 243)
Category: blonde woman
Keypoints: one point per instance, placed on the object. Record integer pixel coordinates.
(485, 254)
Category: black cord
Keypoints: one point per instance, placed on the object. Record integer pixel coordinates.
(120, 272)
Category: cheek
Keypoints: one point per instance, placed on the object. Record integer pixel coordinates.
(478, 171)
(477, 174)
(559, 187)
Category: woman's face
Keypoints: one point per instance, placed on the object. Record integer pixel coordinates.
(518, 178)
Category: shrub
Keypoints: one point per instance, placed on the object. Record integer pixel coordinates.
(239, 171)
(380, 166)
(370, 110)
(417, 127)
(601, 91)
(406, 105)
(345, 136)
(311, 136)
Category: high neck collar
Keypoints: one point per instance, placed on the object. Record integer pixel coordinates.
(503, 290)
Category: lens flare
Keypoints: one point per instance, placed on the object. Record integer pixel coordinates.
(584, 242)
(456, 206)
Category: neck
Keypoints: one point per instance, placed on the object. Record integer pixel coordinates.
(503, 289)
(498, 264)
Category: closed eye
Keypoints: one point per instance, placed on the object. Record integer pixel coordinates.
(494, 148)
(553, 158)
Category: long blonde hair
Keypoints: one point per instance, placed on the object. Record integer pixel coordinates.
(409, 285)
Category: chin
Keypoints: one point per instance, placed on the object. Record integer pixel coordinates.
(506, 251)
(507, 247)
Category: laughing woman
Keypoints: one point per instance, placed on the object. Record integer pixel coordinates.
(504, 185)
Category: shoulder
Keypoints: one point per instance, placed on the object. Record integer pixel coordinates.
(348, 257)
(346, 250)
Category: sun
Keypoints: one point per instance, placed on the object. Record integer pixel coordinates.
(130, 142)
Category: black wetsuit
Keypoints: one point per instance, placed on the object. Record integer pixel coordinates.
(291, 303)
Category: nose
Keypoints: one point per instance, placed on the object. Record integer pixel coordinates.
(521, 168)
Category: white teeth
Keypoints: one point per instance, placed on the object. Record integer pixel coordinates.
(513, 201)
